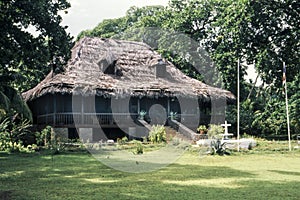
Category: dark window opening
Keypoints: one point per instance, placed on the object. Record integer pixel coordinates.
(73, 134)
(111, 68)
(119, 72)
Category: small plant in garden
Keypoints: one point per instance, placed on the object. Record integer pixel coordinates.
(142, 114)
(173, 115)
(119, 141)
(158, 134)
(43, 137)
(215, 130)
(202, 129)
(145, 139)
(58, 144)
(139, 148)
(176, 141)
(11, 135)
(122, 141)
(218, 148)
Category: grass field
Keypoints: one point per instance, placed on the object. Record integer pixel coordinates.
(78, 175)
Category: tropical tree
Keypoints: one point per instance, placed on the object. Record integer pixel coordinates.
(260, 33)
(135, 18)
(31, 40)
(32, 43)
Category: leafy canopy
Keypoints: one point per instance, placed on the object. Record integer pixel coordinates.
(260, 33)
(32, 43)
(24, 55)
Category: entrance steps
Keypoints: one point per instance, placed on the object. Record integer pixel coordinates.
(190, 134)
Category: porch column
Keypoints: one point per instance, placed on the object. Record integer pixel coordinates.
(82, 111)
(54, 109)
(47, 110)
(168, 107)
(138, 106)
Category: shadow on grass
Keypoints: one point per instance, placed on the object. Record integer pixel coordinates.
(6, 195)
(286, 173)
(80, 176)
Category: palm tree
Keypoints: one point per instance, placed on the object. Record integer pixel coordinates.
(11, 103)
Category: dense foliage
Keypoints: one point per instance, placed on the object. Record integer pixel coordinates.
(32, 43)
(32, 39)
(263, 34)
(13, 135)
(157, 134)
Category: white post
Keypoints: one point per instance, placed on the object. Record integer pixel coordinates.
(238, 106)
(226, 125)
(287, 111)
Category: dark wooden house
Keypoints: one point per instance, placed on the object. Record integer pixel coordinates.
(108, 83)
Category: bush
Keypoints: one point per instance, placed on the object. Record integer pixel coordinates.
(158, 134)
(58, 144)
(215, 130)
(218, 148)
(176, 141)
(11, 133)
(43, 138)
(202, 129)
(16, 147)
(122, 141)
(139, 148)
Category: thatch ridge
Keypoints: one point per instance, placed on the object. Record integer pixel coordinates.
(134, 64)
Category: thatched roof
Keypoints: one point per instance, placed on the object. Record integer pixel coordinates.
(134, 75)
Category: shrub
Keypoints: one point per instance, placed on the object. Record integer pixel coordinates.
(145, 139)
(176, 141)
(139, 148)
(218, 148)
(43, 137)
(215, 130)
(158, 134)
(122, 141)
(11, 133)
(202, 129)
(58, 144)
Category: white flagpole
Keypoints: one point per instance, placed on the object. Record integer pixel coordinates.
(287, 110)
(238, 106)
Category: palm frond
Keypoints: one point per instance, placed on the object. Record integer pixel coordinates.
(11, 99)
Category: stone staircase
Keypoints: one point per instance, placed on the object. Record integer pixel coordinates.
(174, 129)
(172, 133)
(183, 130)
(145, 124)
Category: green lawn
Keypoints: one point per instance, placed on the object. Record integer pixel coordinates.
(78, 175)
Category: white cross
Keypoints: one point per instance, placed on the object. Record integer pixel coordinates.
(226, 127)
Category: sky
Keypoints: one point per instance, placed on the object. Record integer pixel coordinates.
(87, 14)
